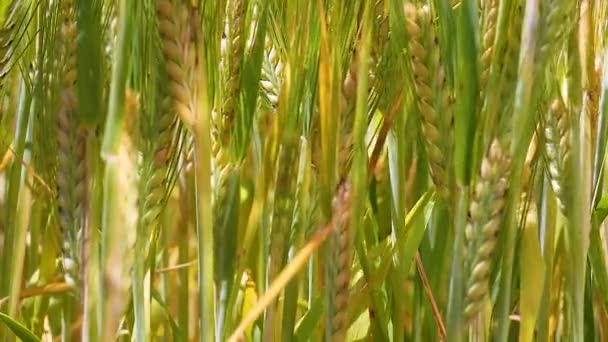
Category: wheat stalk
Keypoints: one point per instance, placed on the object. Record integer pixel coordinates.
(123, 223)
(485, 219)
(432, 97)
(557, 149)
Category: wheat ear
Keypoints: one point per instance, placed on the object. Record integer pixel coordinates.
(432, 97)
(233, 59)
(342, 259)
(272, 73)
(175, 38)
(71, 141)
(281, 221)
(556, 25)
(7, 36)
(175, 33)
(485, 211)
(557, 149)
(490, 9)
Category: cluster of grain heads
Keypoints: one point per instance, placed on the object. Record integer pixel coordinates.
(432, 95)
(557, 148)
(485, 212)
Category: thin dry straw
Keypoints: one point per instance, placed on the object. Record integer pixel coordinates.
(432, 97)
(485, 211)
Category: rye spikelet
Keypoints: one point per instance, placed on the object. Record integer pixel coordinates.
(557, 149)
(485, 211)
(432, 96)
(490, 9)
(342, 259)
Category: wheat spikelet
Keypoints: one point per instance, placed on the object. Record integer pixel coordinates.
(556, 25)
(156, 179)
(71, 184)
(432, 97)
(233, 59)
(7, 36)
(485, 218)
(349, 92)
(272, 73)
(69, 38)
(175, 33)
(381, 38)
(342, 258)
(487, 40)
(71, 166)
(557, 149)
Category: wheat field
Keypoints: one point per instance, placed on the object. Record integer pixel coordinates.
(303, 170)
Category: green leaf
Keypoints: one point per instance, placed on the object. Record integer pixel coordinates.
(19, 330)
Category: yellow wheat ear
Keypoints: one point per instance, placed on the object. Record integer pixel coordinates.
(178, 51)
(432, 96)
(486, 211)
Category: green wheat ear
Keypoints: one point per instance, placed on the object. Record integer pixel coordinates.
(557, 148)
(432, 96)
(490, 10)
(481, 231)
